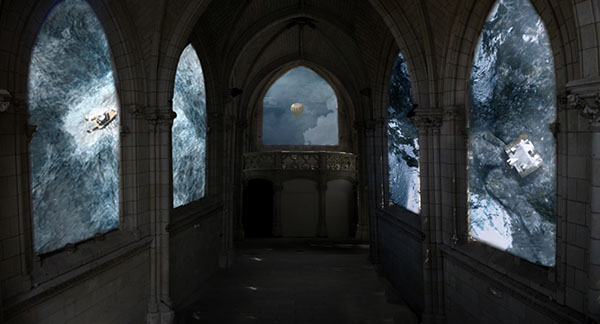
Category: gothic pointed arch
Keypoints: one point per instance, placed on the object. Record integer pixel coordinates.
(74, 153)
(403, 142)
(511, 151)
(189, 130)
(300, 108)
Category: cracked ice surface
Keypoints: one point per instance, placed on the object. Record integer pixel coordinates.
(189, 130)
(75, 174)
(513, 92)
(403, 143)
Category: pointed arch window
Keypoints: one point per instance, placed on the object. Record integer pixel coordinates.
(511, 153)
(74, 153)
(189, 130)
(300, 108)
(403, 142)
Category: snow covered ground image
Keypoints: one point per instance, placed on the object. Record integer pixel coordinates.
(513, 95)
(403, 142)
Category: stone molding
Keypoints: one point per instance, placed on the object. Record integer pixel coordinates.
(89, 271)
(426, 119)
(160, 120)
(5, 100)
(316, 165)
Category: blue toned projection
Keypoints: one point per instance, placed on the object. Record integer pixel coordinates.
(403, 142)
(511, 157)
(189, 130)
(317, 124)
(75, 150)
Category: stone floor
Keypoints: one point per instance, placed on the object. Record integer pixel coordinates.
(295, 281)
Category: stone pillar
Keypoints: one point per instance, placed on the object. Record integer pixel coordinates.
(239, 234)
(429, 122)
(322, 222)
(277, 189)
(592, 113)
(229, 126)
(369, 184)
(159, 308)
(239, 184)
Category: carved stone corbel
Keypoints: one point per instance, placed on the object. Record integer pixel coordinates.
(426, 119)
(589, 106)
(135, 111)
(160, 120)
(29, 131)
(5, 100)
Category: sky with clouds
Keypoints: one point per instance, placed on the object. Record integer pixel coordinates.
(317, 125)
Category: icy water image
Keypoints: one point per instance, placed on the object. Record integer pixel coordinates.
(189, 130)
(317, 124)
(511, 157)
(403, 142)
(75, 150)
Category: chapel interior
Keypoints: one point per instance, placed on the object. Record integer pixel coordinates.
(299, 161)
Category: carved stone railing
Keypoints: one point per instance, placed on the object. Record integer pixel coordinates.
(281, 165)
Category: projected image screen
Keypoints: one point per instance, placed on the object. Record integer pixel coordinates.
(300, 108)
(189, 130)
(511, 157)
(403, 142)
(75, 150)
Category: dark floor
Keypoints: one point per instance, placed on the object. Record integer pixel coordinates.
(295, 281)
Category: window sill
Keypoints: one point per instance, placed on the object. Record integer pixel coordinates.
(63, 270)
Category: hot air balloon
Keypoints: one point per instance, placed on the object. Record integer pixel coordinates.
(297, 109)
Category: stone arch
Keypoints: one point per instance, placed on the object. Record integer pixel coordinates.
(414, 47)
(266, 77)
(128, 76)
(117, 29)
(177, 30)
(278, 19)
(461, 49)
(507, 240)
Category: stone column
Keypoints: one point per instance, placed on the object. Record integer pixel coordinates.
(362, 213)
(370, 189)
(277, 189)
(429, 122)
(322, 222)
(229, 127)
(159, 308)
(239, 234)
(592, 113)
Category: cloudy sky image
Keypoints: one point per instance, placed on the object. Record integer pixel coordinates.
(317, 125)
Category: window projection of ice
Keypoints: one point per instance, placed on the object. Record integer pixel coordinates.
(75, 150)
(300, 108)
(189, 130)
(511, 153)
(403, 142)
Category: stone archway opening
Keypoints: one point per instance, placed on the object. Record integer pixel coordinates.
(258, 213)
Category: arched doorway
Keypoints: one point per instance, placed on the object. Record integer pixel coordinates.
(258, 213)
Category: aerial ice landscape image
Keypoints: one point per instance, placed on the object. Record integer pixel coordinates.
(511, 157)
(317, 124)
(403, 142)
(75, 150)
(189, 130)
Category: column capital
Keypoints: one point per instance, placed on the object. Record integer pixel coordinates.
(589, 104)
(160, 120)
(29, 131)
(135, 111)
(426, 119)
(450, 112)
(5, 100)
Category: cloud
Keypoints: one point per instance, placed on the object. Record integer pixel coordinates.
(325, 133)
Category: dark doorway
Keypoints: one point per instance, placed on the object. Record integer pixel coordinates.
(258, 214)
